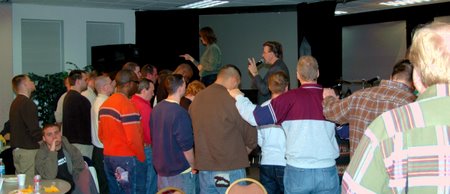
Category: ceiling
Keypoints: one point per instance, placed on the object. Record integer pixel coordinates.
(351, 6)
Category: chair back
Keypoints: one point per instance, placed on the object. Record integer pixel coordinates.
(170, 190)
(255, 187)
(94, 176)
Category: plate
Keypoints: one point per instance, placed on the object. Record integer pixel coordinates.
(18, 191)
(11, 179)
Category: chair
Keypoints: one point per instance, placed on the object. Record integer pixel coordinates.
(170, 190)
(94, 176)
(254, 187)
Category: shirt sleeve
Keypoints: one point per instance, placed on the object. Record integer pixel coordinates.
(133, 132)
(336, 110)
(245, 108)
(31, 121)
(183, 132)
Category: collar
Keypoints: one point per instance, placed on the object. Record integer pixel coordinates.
(437, 90)
(398, 85)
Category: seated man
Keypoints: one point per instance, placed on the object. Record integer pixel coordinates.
(57, 158)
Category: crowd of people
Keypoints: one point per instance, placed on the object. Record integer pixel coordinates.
(145, 130)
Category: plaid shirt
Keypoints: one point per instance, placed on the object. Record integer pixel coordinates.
(362, 107)
(405, 150)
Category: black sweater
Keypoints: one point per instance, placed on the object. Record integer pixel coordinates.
(25, 130)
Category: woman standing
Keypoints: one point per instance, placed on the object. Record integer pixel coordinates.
(211, 59)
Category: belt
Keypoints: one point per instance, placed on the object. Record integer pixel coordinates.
(147, 145)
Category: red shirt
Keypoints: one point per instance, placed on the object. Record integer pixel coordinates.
(144, 109)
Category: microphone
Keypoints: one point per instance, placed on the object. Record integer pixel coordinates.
(371, 81)
(261, 61)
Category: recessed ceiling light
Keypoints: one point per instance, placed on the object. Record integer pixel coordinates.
(340, 12)
(403, 2)
(203, 4)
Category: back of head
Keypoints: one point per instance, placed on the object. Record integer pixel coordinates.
(75, 75)
(275, 47)
(402, 71)
(194, 87)
(185, 70)
(308, 68)
(125, 76)
(130, 66)
(430, 53)
(278, 82)
(208, 34)
(101, 81)
(147, 69)
(17, 81)
(228, 71)
(173, 82)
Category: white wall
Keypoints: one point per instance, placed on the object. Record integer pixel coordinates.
(74, 35)
(6, 59)
(241, 36)
(74, 28)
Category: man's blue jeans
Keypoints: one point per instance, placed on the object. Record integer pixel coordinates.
(212, 182)
(187, 182)
(122, 175)
(271, 177)
(151, 178)
(311, 180)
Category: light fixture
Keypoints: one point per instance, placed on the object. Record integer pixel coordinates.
(203, 4)
(403, 2)
(340, 12)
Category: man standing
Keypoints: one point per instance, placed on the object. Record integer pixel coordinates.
(121, 133)
(57, 158)
(142, 102)
(363, 106)
(405, 150)
(273, 55)
(25, 130)
(311, 147)
(76, 114)
(104, 87)
(173, 140)
(222, 138)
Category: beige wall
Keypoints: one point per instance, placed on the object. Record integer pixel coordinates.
(6, 60)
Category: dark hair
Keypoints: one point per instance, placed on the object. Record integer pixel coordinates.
(173, 82)
(147, 69)
(124, 76)
(17, 80)
(75, 75)
(49, 125)
(275, 47)
(207, 33)
(403, 70)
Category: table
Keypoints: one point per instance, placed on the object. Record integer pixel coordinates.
(62, 185)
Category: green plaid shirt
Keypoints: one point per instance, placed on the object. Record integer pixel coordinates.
(405, 150)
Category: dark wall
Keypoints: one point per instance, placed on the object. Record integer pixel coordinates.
(164, 35)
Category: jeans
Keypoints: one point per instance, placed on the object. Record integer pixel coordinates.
(187, 182)
(212, 182)
(122, 174)
(312, 180)
(151, 178)
(209, 79)
(271, 177)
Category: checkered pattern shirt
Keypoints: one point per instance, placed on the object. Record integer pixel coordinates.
(405, 150)
(362, 107)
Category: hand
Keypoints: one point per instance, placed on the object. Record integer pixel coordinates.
(187, 57)
(200, 67)
(252, 67)
(53, 146)
(194, 171)
(329, 92)
(235, 92)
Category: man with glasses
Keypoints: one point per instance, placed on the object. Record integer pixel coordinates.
(121, 133)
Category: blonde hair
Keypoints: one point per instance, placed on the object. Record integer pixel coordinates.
(430, 53)
(194, 88)
(308, 68)
(278, 82)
